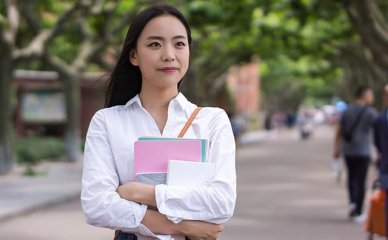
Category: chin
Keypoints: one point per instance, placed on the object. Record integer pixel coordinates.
(167, 83)
(167, 86)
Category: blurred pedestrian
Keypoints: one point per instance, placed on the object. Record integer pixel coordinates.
(305, 121)
(268, 121)
(381, 142)
(353, 138)
(291, 119)
(238, 123)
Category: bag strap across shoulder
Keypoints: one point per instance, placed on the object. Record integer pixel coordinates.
(189, 121)
(359, 116)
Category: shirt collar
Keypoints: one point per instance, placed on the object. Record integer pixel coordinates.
(133, 100)
(180, 100)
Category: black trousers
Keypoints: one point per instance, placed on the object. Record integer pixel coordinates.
(357, 167)
(125, 236)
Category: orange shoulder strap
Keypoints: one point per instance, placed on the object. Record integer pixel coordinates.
(189, 121)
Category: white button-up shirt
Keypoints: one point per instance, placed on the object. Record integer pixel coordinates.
(109, 161)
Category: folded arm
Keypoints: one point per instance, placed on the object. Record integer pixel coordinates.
(101, 204)
(104, 207)
(213, 203)
(159, 224)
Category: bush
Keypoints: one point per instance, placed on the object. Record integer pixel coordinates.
(32, 150)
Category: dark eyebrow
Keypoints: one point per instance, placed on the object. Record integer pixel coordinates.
(179, 37)
(161, 38)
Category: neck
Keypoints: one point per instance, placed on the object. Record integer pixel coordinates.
(154, 99)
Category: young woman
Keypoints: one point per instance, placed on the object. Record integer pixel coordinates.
(143, 99)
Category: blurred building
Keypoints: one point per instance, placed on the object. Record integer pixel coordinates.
(40, 103)
(244, 85)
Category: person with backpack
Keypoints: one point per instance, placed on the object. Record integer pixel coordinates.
(352, 140)
(381, 143)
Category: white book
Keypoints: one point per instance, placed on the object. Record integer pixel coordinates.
(189, 174)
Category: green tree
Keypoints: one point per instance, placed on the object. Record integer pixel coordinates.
(307, 48)
(11, 55)
(370, 20)
(66, 36)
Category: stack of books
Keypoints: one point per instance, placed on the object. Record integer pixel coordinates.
(172, 161)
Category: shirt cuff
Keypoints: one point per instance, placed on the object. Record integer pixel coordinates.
(159, 237)
(139, 217)
(160, 197)
(144, 232)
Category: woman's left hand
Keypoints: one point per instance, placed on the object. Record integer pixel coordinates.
(138, 192)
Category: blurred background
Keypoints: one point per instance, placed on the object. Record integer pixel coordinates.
(280, 68)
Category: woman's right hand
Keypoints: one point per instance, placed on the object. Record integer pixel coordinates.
(198, 230)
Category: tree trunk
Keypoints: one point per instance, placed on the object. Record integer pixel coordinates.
(359, 69)
(71, 83)
(367, 18)
(6, 149)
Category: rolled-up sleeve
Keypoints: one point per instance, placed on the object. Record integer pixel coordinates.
(212, 203)
(101, 203)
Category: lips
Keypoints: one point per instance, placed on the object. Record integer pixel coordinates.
(168, 69)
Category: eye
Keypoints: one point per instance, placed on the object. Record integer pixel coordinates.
(154, 45)
(180, 44)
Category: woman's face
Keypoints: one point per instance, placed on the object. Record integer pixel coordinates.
(162, 52)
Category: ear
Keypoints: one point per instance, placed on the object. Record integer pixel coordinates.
(133, 57)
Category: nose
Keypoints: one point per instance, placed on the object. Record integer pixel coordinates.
(168, 54)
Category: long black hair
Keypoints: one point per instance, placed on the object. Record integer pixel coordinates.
(125, 80)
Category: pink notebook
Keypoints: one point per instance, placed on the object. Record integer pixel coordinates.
(152, 156)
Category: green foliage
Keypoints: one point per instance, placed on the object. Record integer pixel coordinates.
(32, 150)
(301, 43)
(295, 40)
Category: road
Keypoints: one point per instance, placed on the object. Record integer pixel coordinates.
(285, 191)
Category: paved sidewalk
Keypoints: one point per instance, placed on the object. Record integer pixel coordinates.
(285, 191)
(58, 182)
(255, 137)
